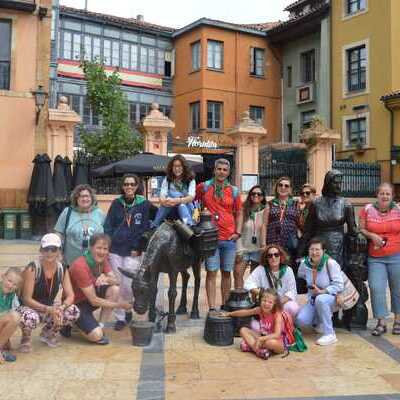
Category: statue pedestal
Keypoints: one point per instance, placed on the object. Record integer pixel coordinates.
(246, 135)
(156, 127)
(60, 130)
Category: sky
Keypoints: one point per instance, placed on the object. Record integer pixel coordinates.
(178, 13)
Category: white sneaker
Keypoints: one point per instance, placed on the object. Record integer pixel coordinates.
(326, 340)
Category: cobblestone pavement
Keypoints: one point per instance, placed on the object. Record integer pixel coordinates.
(183, 366)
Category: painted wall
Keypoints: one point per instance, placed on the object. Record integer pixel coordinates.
(379, 27)
(233, 86)
(20, 137)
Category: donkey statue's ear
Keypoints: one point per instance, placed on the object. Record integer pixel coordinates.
(127, 273)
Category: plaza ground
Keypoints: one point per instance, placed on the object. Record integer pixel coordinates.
(182, 366)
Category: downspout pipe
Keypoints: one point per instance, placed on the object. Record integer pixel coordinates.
(391, 138)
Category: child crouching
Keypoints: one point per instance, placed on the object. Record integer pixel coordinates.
(266, 335)
(9, 318)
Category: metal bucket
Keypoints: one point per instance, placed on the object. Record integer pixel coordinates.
(142, 332)
(218, 330)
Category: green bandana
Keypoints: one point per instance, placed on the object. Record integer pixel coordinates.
(255, 211)
(324, 260)
(282, 272)
(138, 200)
(218, 188)
(92, 263)
(392, 205)
(180, 186)
(276, 202)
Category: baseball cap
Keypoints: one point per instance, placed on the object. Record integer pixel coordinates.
(50, 239)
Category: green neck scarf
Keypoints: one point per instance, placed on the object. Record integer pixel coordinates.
(277, 202)
(324, 260)
(91, 262)
(138, 199)
(392, 205)
(282, 272)
(219, 188)
(255, 211)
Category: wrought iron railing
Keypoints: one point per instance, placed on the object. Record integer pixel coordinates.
(359, 179)
(4, 75)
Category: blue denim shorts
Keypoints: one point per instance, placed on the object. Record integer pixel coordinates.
(223, 258)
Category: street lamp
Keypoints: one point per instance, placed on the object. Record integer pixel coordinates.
(40, 100)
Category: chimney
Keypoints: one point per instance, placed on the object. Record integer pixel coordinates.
(140, 18)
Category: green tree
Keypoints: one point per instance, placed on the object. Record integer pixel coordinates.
(115, 139)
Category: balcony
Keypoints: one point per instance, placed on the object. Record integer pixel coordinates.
(20, 5)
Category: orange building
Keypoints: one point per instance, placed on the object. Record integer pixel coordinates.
(24, 70)
(221, 70)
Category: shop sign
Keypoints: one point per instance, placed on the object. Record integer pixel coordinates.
(196, 141)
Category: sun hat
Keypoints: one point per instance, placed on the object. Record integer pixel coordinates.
(50, 239)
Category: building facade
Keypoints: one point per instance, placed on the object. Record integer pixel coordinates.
(24, 71)
(365, 65)
(304, 41)
(142, 52)
(223, 69)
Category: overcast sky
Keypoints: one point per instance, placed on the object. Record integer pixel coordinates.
(177, 13)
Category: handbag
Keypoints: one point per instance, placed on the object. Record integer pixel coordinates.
(349, 296)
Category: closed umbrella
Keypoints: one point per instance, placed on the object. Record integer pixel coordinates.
(68, 174)
(60, 185)
(81, 172)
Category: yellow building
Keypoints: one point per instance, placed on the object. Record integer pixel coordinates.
(365, 67)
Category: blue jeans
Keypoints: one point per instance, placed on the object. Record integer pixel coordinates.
(223, 258)
(382, 270)
(318, 313)
(185, 211)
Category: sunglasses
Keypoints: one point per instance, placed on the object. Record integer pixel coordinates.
(284, 185)
(271, 255)
(306, 193)
(53, 249)
(130, 184)
(256, 194)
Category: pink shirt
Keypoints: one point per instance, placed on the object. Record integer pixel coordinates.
(386, 225)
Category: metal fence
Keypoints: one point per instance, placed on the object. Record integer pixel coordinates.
(274, 163)
(359, 179)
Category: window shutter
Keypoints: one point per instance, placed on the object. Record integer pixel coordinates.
(251, 60)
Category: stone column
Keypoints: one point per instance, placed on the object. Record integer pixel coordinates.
(246, 135)
(319, 140)
(60, 130)
(156, 127)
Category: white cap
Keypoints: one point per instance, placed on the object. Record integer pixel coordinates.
(50, 239)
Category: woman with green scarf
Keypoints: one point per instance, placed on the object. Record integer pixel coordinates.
(95, 286)
(274, 273)
(324, 281)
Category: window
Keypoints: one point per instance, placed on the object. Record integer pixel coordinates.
(195, 116)
(196, 56)
(290, 133)
(214, 115)
(289, 76)
(308, 66)
(5, 54)
(356, 68)
(257, 61)
(306, 118)
(257, 114)
(160, 62)
(107, 52)
(356, 132)
(355, 6)
(215, 54)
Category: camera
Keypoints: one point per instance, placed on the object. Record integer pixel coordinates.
(85, 242)
(254, 239)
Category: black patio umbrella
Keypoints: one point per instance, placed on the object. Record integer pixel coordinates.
(68, 173)
(145, 164)
(60, 185)
(41, 194)
(81, 172)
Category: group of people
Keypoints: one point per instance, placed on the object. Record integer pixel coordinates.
(78, 267)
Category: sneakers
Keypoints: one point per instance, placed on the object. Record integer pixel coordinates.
(326, 340)
(7, 356)
(50, 340)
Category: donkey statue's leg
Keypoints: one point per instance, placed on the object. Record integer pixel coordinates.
(153, 296)
(182, 309)
(197, 275)
(171, 327)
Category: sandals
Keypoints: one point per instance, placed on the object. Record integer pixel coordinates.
(396, 328)
(380, 330)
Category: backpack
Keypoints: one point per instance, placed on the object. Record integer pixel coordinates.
(292, 336)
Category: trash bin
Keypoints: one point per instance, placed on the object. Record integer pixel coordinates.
(9, 223)
(24, 225)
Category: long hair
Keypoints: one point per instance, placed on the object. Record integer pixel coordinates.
(284, 256)
(187, 174)
(248, 202)
(271, 292)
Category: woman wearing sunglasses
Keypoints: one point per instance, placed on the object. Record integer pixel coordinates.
(127, 219)
(251, 241)
(282, 217)
(307, 196)
(47, 295)
(275, 273)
